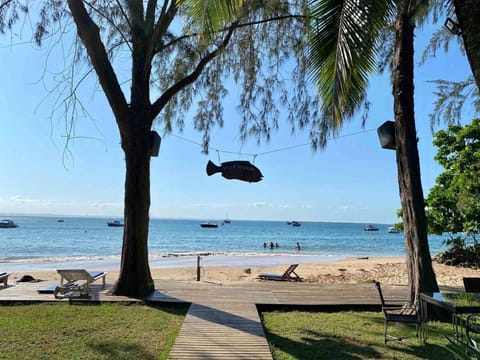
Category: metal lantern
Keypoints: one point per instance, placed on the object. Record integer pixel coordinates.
(386, 135)
(155, 141)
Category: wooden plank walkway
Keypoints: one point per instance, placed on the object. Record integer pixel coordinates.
(221, 331)
(223, 321)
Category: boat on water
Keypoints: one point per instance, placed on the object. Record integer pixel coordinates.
(115, 223)
(393, 230)
(208, 225)
(370, 227)
(60, 220)
(5, 223)
(295, 223)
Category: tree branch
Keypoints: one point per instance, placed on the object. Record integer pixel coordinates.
(90, 35)
(234, 26)
(160, 103)
(5, 3)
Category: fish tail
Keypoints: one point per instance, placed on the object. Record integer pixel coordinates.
(212, 168)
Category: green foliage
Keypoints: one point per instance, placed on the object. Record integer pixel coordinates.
(344, 42)
(453, 203)
(196, 52)
(106, 331)
(452, 96)
(347, 335)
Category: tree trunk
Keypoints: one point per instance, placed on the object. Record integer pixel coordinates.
(468, 15)
(135, 279)
(421, 276)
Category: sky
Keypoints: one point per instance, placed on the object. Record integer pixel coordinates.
(351, 180)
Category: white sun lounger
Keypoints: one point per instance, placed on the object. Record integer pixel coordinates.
(4, 278)
(76, 282)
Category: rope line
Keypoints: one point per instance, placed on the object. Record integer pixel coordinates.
(255, 155)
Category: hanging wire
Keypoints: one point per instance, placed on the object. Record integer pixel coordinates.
(254, 155)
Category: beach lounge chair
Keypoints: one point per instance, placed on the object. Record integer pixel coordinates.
(4, 278)
(471, 284)
(288, 275)
(77, 282)
(401, 314)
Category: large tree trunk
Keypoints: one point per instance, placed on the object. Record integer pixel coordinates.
(468, 15)
(419, 263)
(135, 279)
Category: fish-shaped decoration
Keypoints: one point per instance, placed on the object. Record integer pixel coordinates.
(240, 170)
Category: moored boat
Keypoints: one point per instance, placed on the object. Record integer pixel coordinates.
(115, 223)
(208, 225)
(370, 227)
(5, 223)
(393, 230)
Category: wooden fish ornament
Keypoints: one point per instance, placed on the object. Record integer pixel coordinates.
(240, 170)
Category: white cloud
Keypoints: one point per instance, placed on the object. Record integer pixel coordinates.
(346, 207)
(261, 204)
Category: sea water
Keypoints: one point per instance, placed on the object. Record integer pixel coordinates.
(43, 242)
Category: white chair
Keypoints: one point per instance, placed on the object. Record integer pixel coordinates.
(77, 282)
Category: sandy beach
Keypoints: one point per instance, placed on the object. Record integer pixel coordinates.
(345, 271)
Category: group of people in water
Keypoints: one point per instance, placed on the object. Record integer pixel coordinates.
(275, 245)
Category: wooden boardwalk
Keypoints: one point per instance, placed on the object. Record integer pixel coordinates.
(223, 321)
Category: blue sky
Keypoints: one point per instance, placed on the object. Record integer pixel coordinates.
(352, 180)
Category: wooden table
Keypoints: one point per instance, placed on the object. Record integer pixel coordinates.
(456, 304)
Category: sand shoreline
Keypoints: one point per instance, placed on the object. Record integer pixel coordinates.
(338, 271)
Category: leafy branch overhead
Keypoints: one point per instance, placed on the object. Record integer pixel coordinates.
(195, 52)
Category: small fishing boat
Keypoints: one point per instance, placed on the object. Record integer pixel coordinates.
(208, 225)
(296, 223)
(60, 220)
(115, 223)
(227, 220)
(393, 230)
(5, 223)
(370, 227)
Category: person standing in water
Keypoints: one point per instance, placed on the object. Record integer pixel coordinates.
(298, 246)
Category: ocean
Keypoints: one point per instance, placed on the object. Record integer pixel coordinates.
(43, 243)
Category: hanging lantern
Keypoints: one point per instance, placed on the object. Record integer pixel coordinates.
(155, 141)
(386, 135)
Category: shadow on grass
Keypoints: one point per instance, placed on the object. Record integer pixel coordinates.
(321, 346)
(312, 339)
(120, 350)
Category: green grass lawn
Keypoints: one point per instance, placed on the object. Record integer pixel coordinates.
(106, 331)
(347, 335)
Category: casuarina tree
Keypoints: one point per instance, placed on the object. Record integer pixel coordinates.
(180, 53)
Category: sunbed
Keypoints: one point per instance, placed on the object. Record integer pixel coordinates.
(76, 282)
(288, 275)
(4, 278)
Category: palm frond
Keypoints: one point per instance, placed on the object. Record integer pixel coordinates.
(212, 15)
(343, 37)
